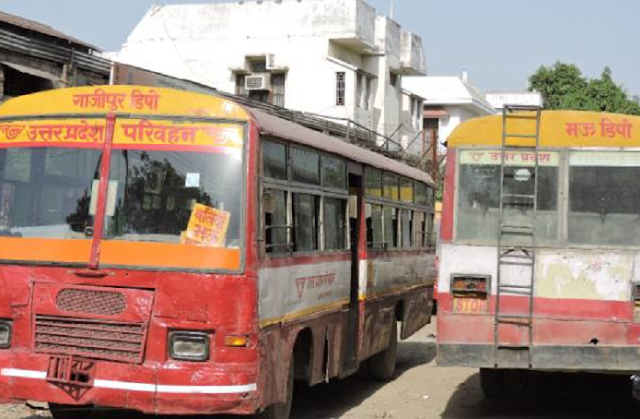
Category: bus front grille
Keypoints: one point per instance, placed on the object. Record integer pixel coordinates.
(106, 303)
(90, 338)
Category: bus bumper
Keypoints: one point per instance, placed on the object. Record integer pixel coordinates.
(158, 388)
(586, 358)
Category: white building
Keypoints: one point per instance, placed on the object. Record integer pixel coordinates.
(449, 101)
(336, 58)
(499, 99)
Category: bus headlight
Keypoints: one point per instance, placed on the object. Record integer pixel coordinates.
(5, 334)
(189, 346)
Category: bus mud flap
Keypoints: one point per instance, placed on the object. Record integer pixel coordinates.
(72, 374)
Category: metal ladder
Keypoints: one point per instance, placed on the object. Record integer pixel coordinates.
(523, 255)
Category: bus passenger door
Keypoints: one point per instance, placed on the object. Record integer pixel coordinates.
(351, 334)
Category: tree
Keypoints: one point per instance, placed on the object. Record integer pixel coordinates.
(563, 86)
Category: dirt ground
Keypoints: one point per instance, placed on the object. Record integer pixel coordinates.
(423, 391)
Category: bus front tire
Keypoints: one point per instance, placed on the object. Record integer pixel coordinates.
(282, 410)
(382, 366)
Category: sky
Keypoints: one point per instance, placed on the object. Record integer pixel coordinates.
(500, 43)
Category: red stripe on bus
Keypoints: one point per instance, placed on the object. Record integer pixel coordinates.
(565, 308)
(476, 329)
(556, 321)
(446, 225)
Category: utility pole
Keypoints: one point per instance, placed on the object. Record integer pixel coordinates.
(391, 2)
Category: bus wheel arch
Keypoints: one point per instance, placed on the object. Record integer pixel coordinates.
(302, 354)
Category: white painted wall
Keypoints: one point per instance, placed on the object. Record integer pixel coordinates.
(499, 99)
(457, 115)
(311, 40)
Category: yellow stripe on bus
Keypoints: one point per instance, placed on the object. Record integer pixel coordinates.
(303, 313)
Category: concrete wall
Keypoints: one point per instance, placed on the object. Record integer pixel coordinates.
(457, 115)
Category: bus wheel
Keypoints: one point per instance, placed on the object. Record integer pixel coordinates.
(282, 410)
(382, 366)
(492, 382)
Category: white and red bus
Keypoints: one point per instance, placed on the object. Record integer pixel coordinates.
(176, 253)
(580, 311)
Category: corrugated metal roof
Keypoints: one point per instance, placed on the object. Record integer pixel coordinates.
(41, 28)
(32, 71)
(272, 125)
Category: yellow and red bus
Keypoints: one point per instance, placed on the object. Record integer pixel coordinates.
(177, 253)
(580, 311)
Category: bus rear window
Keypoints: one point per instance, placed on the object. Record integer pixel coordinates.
(604, 198)
(479, 194)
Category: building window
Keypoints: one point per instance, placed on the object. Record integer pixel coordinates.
(258, 66)
(240, 89)
(277, 88)
(393, 79)
(340, 88)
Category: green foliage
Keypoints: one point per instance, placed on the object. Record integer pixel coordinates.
(563, 86)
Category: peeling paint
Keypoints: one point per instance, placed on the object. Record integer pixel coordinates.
(585, 275)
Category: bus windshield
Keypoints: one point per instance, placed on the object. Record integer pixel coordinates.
(45, 192)
(156, 194)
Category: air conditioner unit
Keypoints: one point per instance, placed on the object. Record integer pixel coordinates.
(257, 82)
(271, 62)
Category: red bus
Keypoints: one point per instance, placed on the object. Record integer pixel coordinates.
(176, 253)
(539, 246)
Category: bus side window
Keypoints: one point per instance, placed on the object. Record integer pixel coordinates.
(391, 227)
(275, 220)
(407, 228)
(375, 239)
(305, 222)
(334, 218)
(419, 227)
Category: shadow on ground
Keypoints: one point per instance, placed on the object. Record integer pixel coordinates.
(549, 395)
(334, 399)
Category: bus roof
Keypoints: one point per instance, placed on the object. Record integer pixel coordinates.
(558, 129)
(96, 100)
(272, 125)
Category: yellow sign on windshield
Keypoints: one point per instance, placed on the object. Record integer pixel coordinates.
(207, 227)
